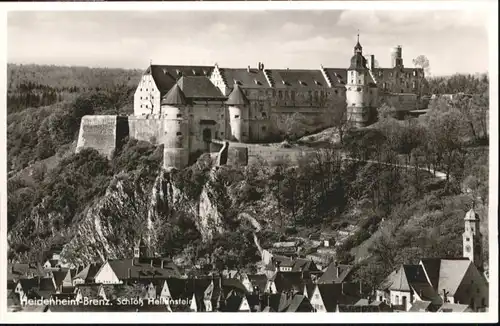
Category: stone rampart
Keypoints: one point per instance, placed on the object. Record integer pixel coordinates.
(98, 132)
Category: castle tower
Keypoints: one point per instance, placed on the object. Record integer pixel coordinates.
(397, 57)
(472, 239)
(176, 141)
(357, 89)
(238, 114)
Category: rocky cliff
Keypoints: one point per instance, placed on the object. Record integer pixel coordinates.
(134, 205)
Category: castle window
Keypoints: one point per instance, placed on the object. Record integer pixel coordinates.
(280, 95)
(263, 128)
(140, 89)
(264, 115)
(146, 89)
(336, 91)
(141, 106)
(179, 133)
(236, 116)
(179, 115)
(359, 81)
(414, 85)
(141, 97)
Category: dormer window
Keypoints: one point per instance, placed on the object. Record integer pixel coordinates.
(205, 72)
(302, 83)
(237, 82)
(415, 73)
(256, 82)
(165, 71)
(283, 82)
(194, 72)
(178, 72)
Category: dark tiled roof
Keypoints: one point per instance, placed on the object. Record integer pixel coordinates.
(453, 307)
(18, 270)
(199, 88)
(293, 78)
(253, 301)
(353, 308)
(299, 303)
(336, 76)
(13, 299)
(258, 280)
(89, 272)
(174, 97)
(59, 277)
(88, 291)
(289, 281)
(166, 76)
(237, 97)
(142, 268)
(233, 303)
(305, 265)
(419, 306)
(332, 296)
(253, 79)
(336, 273)
(177, 287)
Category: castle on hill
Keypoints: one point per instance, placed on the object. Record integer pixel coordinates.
(189, 108)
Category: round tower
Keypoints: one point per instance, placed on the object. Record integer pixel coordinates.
(175, 126)
(472, 239)
(238, 105)
(397, 56)
(357, 89)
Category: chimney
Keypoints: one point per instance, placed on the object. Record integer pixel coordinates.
(338, 271)
(151, 262)
(12, 268)
(248, 69)
(133, 262)
(371, 61)
(162, 264)
(342, 287)
(129, 273)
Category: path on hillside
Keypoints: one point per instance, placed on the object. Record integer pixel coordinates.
(437, 174)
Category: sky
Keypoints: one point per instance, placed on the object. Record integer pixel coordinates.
(453, 41)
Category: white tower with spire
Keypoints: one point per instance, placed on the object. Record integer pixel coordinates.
(472, 239)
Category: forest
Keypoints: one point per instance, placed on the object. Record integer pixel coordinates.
(404, 214)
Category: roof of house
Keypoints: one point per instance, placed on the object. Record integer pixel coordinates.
(419, 306)
(296, 302)
(141, 268)
(165, 76)
(453, 307)
(406, 276)
(332, 296)
(288, 281)
(237, 97)
(59, 277)
(199, 87)
(88, 290)
(355, 308)
(89, 272)
(298, 78)
(253, 78)
(18, 270)
(305, 265)
(258, 280)
(233, 303)
(336, 273)
(447, 273)
(177, 287)
(336, 76)
(174, 97)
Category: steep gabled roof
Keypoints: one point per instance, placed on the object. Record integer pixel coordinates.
(258, 280)
(89, 272)
(446, 273)
(194, 87)
(419, 306)
(165, 76)
(174, 97)
(289, 281)
(237, 97)
(336, 273)
(332, 296)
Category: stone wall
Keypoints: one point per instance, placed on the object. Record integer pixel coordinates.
(402, 101)
(98, 132)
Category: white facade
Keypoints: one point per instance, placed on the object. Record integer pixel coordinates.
(147, 97)
(106, 275)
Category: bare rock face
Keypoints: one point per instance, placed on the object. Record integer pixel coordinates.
(132, 205)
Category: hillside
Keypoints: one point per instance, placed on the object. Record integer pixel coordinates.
(96, 207)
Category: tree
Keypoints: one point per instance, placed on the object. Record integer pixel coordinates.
(422, 62)
(336, 116)
(295, 126)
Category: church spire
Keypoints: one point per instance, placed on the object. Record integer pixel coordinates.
(358, 48)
